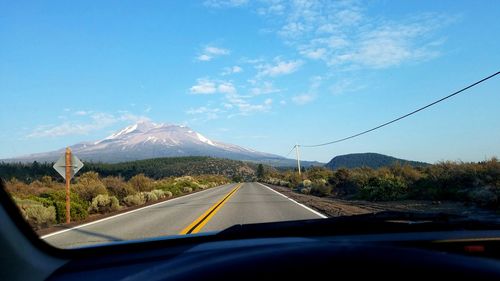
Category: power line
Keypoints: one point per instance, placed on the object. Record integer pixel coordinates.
(401, 117)
(290, 151)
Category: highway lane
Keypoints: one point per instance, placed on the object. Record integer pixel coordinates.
(210, 210)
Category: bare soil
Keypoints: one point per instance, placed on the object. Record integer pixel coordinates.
(334, 207)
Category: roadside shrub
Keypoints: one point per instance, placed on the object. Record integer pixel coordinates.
(141, 183)
(384, 188)
(190, 184)
(88, 186)
(78, 207)
(135, 199)
(184, 178)
(306, 183)
(104, 203)
(37, 215)
(321, 190)
(168, 194)
(187, 189)
(160, 194)
(305, 190)
(150, 196)
(484, 197)
(118, 187)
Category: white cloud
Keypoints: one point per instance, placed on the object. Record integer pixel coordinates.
(96, 121)
(203, 87)
(343, 35)
(211, 52)
(345, 86)
(303, 98)
(226, 88)
(279, 68)
(263, 89)
(204, 57)
(207, 112)
(315, 54)
(232, 70)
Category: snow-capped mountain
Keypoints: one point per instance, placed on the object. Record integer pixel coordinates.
(146, 140)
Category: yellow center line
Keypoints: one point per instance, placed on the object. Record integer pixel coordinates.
(200, 222)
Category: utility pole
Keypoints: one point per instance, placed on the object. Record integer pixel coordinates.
(68, 179)
(298, 157)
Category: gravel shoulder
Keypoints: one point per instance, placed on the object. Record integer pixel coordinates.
(333, 207)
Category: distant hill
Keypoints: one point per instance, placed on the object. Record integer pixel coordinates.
(154, 168)
(372, 160)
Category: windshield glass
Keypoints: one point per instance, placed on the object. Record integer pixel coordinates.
(134, 120)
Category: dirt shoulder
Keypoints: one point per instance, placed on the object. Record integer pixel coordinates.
(333, 207)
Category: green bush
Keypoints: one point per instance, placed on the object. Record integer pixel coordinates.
(384, 188)
(321, 190)
(160, 194)
(78, 207)
(186, 189)
(104, 203)
(135, 199)
(36, 214)
(88, 186)
(118, 187)
(484, 196)
(141, 183)
(150, 196)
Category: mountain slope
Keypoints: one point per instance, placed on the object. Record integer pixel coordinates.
(372, 160)
(146, 140)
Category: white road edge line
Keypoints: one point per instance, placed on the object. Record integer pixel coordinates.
(122, 214)
(300, 204)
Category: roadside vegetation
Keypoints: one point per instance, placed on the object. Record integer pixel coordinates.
(471, 183)
(43, 201)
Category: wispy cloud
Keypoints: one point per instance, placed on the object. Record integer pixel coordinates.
(203, 86)
(233, 103)
(303, 98)
(210, 52)
(263, 88)
(344, 35)
(95, 121)
(280, 67)
(232, 70)
(207, 112)
(225, 3)
(82, 112)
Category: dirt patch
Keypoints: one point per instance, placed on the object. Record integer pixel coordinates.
(333, 207)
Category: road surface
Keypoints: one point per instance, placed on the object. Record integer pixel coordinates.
(209, 210)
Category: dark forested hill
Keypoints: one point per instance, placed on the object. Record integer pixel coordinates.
(372, 160)
(154, 168)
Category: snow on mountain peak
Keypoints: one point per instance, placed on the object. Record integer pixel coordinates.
(204, 139)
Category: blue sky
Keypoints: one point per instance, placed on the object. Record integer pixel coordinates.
(260, 74)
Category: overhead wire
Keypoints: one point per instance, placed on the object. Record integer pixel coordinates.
(398, 118)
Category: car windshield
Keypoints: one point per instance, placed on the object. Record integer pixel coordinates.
(134, 120)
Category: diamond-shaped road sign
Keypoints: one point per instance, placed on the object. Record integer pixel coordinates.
(60, 166)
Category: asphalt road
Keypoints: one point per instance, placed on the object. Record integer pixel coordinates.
(210, 210)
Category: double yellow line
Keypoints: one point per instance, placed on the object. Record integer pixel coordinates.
(200, 222)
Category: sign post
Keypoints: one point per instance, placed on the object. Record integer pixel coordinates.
(67, 166)
(68, 179)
